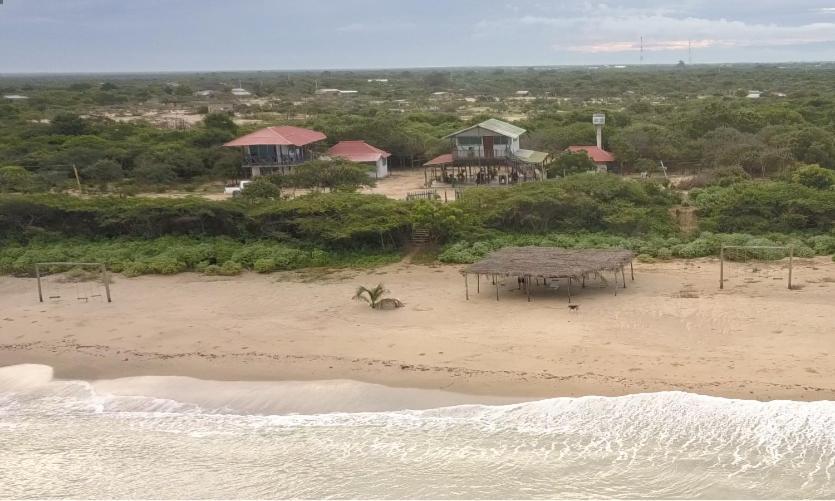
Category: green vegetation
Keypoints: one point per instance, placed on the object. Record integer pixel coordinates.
(754, 170)
(371, 296)
(158, 235)
(168, 255)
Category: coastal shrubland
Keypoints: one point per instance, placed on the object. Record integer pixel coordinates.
(138, 235)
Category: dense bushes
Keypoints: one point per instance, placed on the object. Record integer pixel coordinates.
(584, 202)
(23, 217)
(761, 207)
(344, 220)
(158, 235)
(168, 255)
(705, 245)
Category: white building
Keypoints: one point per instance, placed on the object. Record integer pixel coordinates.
(364, 153)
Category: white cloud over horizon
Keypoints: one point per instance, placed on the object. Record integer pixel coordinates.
(114, 35)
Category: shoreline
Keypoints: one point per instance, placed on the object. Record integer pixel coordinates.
(670, 330)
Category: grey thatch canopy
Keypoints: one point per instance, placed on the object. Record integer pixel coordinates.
(550, 262)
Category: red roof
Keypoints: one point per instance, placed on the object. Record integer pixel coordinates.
(446, 158)
(357, 151)
(286, 135)
(599, 155)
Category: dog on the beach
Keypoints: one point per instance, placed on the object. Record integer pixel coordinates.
(573, 308)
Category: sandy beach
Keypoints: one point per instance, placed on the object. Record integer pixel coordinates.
(671, 329)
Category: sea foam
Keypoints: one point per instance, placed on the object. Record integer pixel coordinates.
(179, 437)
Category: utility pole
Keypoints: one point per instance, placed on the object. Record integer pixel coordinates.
(642, 49)
(689, 52)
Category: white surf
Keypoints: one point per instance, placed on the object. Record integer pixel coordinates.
(171, 437)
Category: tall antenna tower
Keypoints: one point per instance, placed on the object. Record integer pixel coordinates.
(642, 49)
(689, 52)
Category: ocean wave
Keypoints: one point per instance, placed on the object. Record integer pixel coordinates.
(666, 444)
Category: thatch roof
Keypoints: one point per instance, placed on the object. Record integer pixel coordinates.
(550, 262)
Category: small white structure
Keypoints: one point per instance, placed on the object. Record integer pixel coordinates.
(378, 80)
(327, 91)
(364, 153)
(599, 120)
(240, 92)
(522, 92)
(754, 94)
(348, 92)
(15, 97)
(205, 93)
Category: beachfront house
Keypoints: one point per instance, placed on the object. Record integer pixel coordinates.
(485, 153)
(363, 153)
(275, 150)
(604, 160)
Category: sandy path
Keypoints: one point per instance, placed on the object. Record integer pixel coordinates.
(671, 329)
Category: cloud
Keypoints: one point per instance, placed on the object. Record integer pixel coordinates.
(602, 30)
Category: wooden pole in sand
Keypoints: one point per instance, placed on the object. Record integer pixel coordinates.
(569, 290)
(722, 267)
(632, 270)
(616, 282)
(623, 276)
(497, 287)
(106, 281)
(791, 258)
(478, 283)
(528, 287)
(38, 275)
(466, 287)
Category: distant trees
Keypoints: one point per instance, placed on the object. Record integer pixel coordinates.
(567, 163)
(69, 124)
(329, 175)
(814, 176)
(261, 188)
(15, 179)
(556, 138)
(103, 171)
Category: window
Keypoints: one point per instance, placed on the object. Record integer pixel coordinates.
(469, 141)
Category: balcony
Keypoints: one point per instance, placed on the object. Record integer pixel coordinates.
(276, 160)
(476, 155)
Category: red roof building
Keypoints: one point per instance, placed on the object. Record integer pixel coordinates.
(598, 155)
(362, 152)
(357, 151)
(285, 135)
(274, 150)
(444, 159)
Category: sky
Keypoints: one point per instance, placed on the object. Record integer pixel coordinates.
(196, 35)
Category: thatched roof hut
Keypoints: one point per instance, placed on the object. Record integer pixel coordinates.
(551, 263)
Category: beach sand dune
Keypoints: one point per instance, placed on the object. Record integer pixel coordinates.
(671, 329)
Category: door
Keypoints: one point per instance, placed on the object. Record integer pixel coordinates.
(487, 142)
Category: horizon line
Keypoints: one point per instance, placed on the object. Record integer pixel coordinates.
(406, 68)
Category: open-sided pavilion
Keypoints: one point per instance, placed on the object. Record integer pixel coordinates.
(550, 264)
